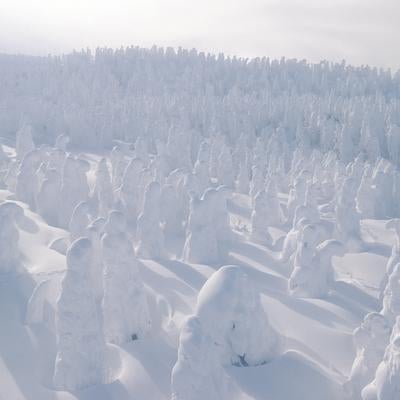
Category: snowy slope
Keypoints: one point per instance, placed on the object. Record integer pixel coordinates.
(108, 259)
(319, 350)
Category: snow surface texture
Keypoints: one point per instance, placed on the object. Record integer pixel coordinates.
(179, 225)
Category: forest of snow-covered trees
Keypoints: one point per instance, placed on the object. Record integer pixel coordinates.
(132, 92)
(175, 225)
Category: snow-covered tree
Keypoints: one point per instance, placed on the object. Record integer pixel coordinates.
(370, 341)
(170, 211)
(94, 231)
(314, 279)
(74, 187)
(347, 217)
(394, 258)
(307, 241)
(243, 179)
(201, 167)
(80, 219)
(229, 327)
(27, 183)
(225, 173)
(126, 315)
(10, 215)
(297, 194)
(130, 190)
(49, 197)
(149, 232)
(257, 183)
(118, 165)
(386, 384)
(229, 309)
(197, 374)
(259, 218)
(391, 296)
(24, 142)
(81, 349)
(103, 191)
(274, 217)
(201, 244)
(290, 242)
(366, 196)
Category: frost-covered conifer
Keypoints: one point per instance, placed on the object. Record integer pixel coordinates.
(24, 142)
(347, 217)
(315, 278)
(197, 374)
(27, 184)
(129, 193)
(346, 144)
(74, 187)
(141, 150)
(383, 181)
(103, 191)
(201, 235)
(161, 163)
(290, 242)
(386, 384)
(306, 243)
(118, 165)
(56, 159)
(170, 211)
(94, 232)
(225, 173)
(219, 208)
(229, 327)
(201, 167)
(257, 183)
(49, 196)
(370, 341)
(394, 258)
(229, 309)
(80, 219)
(217, 143)
(126, 315)
(10, 215)
(393, 145)
(259, 218)
(243, 180)
(146, 177)
(149, 233)
(366, 195)
(81, 349)
(391, 295)
(274, 217)
(297, 194)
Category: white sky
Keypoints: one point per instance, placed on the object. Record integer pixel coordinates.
(360, 31)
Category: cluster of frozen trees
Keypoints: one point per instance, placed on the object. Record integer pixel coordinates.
(102, 300)
(375, 374)
(314, 149)
(139, 195)
(134, 200)
(129, 93)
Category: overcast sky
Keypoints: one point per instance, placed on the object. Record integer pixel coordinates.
(360, 31)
